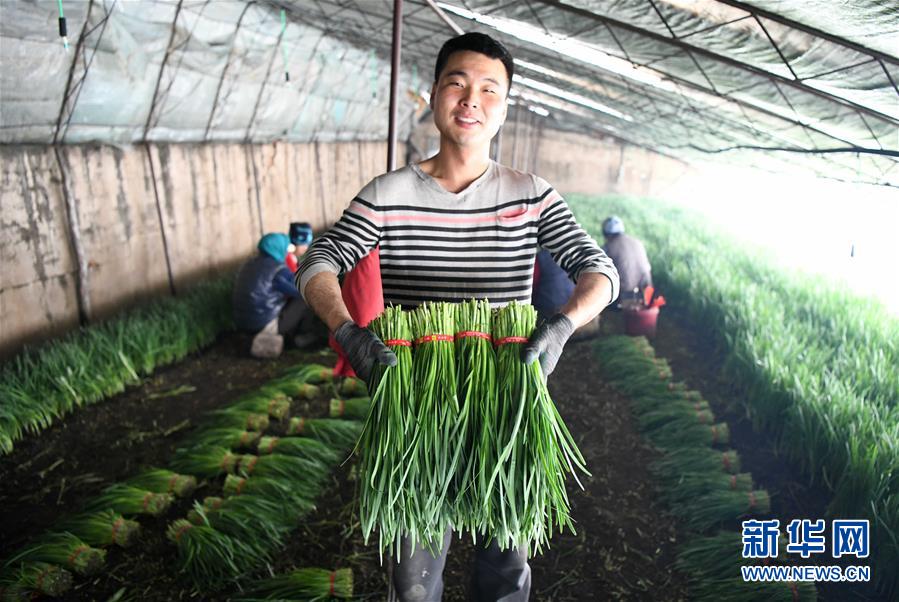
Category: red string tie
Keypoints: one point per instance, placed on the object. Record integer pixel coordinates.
(507, 340)
(474, 334)
(433, 338)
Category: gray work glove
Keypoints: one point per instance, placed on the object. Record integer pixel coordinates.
(547, 342)
(363, 349)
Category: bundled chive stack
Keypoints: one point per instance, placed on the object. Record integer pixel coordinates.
(461, 436)
(304, 584)
(476, 377)
(435, 451)
(386, 436)
(535, 448)
(263, 496)
(703, 486)
(223, 538)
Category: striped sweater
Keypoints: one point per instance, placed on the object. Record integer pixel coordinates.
(437, 245)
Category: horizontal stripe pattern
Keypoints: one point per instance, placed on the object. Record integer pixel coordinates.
(439, 246)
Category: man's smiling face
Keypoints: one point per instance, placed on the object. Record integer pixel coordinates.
(469, 99)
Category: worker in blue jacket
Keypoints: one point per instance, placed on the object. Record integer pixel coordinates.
(553, 288)
(266, 300)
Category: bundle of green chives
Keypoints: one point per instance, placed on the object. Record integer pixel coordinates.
(301, 447)
(660, 406)
(526, 491)
(304, 584)
(675, 436)
(265, 511)
(715, 556)
(207, 556)
(352, 386)
(435, 452)
(713, 564)
(66, 550)
(706, 511)
(103, 528)
(205, 461)
(309, 373)
(355, 408)
(690, 485)
(237, 418)
(336, 433)
(476, 429)
(19, 581)
(386, 436)
(699, 459)
(232, 438)
(276, 407)
(128, 500)
(209, 504)
(675, 413)
(254, 520)
(295, 387)
(165, 481)
(303, 471)
(284, 491)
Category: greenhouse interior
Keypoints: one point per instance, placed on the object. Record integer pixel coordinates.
(552, 300)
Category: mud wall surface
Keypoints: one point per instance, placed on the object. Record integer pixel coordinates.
(86, 231)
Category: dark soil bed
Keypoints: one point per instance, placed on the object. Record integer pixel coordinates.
(624, 548)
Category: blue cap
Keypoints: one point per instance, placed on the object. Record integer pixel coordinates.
(274, 245)
(300, 233)
(613, 225)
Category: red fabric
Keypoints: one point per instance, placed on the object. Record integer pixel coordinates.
(650, 299)
(364, 298)
(292, 263)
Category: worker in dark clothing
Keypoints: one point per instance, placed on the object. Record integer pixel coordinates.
(553, 288)
(629, 256)
(552, 285)
(266, 300)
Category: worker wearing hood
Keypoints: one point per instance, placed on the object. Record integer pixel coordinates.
(266, 301)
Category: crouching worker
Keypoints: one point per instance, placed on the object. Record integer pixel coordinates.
(266, 300)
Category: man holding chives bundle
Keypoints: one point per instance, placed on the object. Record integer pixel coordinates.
(454, 227)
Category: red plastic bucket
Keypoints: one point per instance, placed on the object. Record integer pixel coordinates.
(641, 322)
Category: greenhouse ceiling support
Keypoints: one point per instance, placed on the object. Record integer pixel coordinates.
(445, 17)
(761, 12)
(67, 94)
(165, 59)
(268, 72)
(83, 276)
(690, 49)
(218, 88)
(702, 116)
(160, 217)
(741, 105)
(395, 50)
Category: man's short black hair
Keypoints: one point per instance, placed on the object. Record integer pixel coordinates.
(475, 42)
